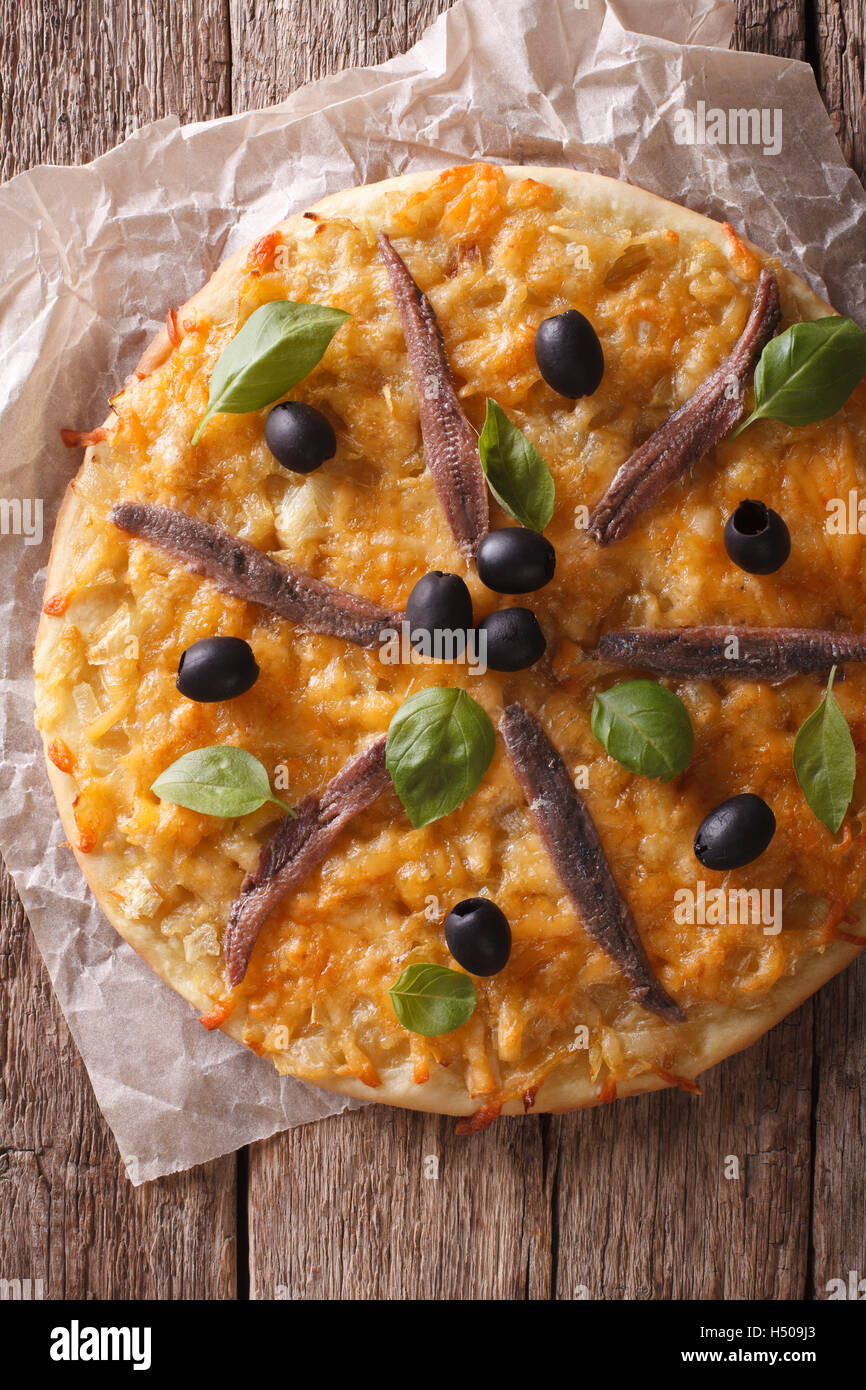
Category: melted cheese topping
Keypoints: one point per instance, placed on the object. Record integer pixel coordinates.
(495, 259)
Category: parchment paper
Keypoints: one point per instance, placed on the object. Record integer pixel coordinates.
(91, 259)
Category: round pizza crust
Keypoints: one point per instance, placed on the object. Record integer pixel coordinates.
(730, 1030)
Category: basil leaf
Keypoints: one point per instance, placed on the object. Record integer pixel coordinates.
(825, 761)
(808, 372)
(440, 743)
(277, 347)
(646, 727)
(431, 999)
(219, 781)
(516, 473)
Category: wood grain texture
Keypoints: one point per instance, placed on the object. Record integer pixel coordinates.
(772, 26)
(839, 1130)
(646, 1207)
(68, 1215)
(386, 1204)
(839, 57)
(277, 45)
(627, 1201)
(76, 78)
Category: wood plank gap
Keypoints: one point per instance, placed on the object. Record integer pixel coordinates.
(230, 58)
(811, 53)
(242, 1225)
(840, 44)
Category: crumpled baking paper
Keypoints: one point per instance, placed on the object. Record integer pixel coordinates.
(92, 258)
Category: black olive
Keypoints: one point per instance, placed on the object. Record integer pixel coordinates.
(756, 538)
(440, 603)
(514, 639)
(478, 936)
(569, 355)
(216, 668)
(299, 436)
(735, 833)
(515, 560)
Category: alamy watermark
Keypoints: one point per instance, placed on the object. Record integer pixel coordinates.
(414, 647)
(741, 125)
(852, 1288)
(22, 516)
(720, 907)
(77, 1343)
(22, 1290)
(846, 516)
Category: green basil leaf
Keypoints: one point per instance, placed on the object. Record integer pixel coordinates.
(516, 473)
(825, 761)
(808, 372)
(431, 999)
(440, 744)
(277, 347)
(219, 781)
(646, 727)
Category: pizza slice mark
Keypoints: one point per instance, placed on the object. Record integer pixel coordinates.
(297, 847)
(450, 442)
(241, 570)
(572, 841)
(711, 653)
(699, 424)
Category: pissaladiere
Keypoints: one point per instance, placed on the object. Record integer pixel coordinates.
(601, 969)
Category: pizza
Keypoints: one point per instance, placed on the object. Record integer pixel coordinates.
(585, 857)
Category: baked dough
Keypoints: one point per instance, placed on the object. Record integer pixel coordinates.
(496, 250)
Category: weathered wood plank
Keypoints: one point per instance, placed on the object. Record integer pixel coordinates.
(76, 78)
(838, 54)
(278, 46)
(839, 1124)
(837, 47)
(839, 58)
(772, 26)
(832, 35)
(349, 1208)
(644, 1206)
(80, 75)
(68, 1214)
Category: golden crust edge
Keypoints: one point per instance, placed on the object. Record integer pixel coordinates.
(442, 1093)
(561, 1093)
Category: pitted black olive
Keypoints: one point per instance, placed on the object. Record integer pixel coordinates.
(478, 936)
(299, 436)
(735, 833)
(569, 354)
(515, 560)
(216, 668)
(440, 603)
(756, 538)
(513, 639)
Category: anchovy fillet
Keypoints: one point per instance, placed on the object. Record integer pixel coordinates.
(239, 569)
(297, 847)
(450, 443)
(711, 653)
(571, 839)
(694, 429)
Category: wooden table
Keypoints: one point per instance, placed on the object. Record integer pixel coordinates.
(628, 1201)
